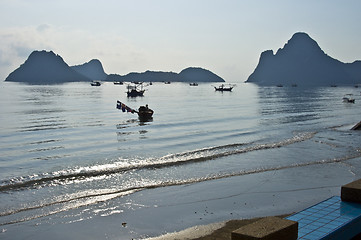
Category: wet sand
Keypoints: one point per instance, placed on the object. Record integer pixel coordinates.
(268, 194)
(210, 232)
(204, 210)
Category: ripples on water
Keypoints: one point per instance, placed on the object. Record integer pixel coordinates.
(66, 146)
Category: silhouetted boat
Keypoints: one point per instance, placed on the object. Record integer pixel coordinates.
(223, 87)
(135, 90)
(95, 83)
(348, 98)
(144, 112)
(118, 83)
(193, 84)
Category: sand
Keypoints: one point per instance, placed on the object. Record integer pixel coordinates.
(209, 232)
(206, 210)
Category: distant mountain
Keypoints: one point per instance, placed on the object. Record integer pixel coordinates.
(198, 75)
(92, 69)
(187, 75)
(301, 61)
(148, 76)
(44, 67)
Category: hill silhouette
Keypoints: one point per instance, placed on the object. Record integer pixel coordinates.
(301, 61)
(44, 67)
(191, 74)
(148, 76)
(92, 69)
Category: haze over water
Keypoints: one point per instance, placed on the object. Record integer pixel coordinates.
(71, 160)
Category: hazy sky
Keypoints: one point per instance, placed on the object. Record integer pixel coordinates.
(224, 36)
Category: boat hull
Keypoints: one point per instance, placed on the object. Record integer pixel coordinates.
(145, 115)
(222, 89)
(135, 93)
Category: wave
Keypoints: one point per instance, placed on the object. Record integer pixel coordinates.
(68, 203)
(86, 197)
(77, 200)
(199, 155)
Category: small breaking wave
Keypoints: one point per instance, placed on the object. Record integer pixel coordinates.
(77, 200)
(55, 207)
(171, 160)
(88, 197)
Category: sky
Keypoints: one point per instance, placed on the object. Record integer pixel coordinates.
(223, 36)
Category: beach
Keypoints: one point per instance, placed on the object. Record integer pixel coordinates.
(75, 170)
(194, 210)
(259, 200)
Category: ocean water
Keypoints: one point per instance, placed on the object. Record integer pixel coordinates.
(69, 156)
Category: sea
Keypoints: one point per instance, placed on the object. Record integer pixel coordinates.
(71, 163)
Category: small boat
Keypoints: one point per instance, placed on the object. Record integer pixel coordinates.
(193, 84)
(348, 98)
(135, 93)
(167, 82)
(223, 87)
(95, 83)
(144, 112)
(135, 90)
(118, 83)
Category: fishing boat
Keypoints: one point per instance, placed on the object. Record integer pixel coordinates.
(135, 90)
(144, 112)
(193, 84)
(223, 88)
(348, 98)
(95, 83)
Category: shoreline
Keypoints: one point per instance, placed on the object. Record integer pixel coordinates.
(202, 211)
(263, 195)
(221, 230)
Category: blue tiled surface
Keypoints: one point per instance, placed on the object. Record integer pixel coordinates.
(318, 221)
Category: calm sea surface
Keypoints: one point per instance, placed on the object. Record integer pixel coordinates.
(67, 146)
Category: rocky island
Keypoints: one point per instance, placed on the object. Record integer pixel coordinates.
(302, 62)
(190, 74)
(92, 70)
(43, 67)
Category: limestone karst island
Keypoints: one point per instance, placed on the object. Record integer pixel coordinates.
(45, 67)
